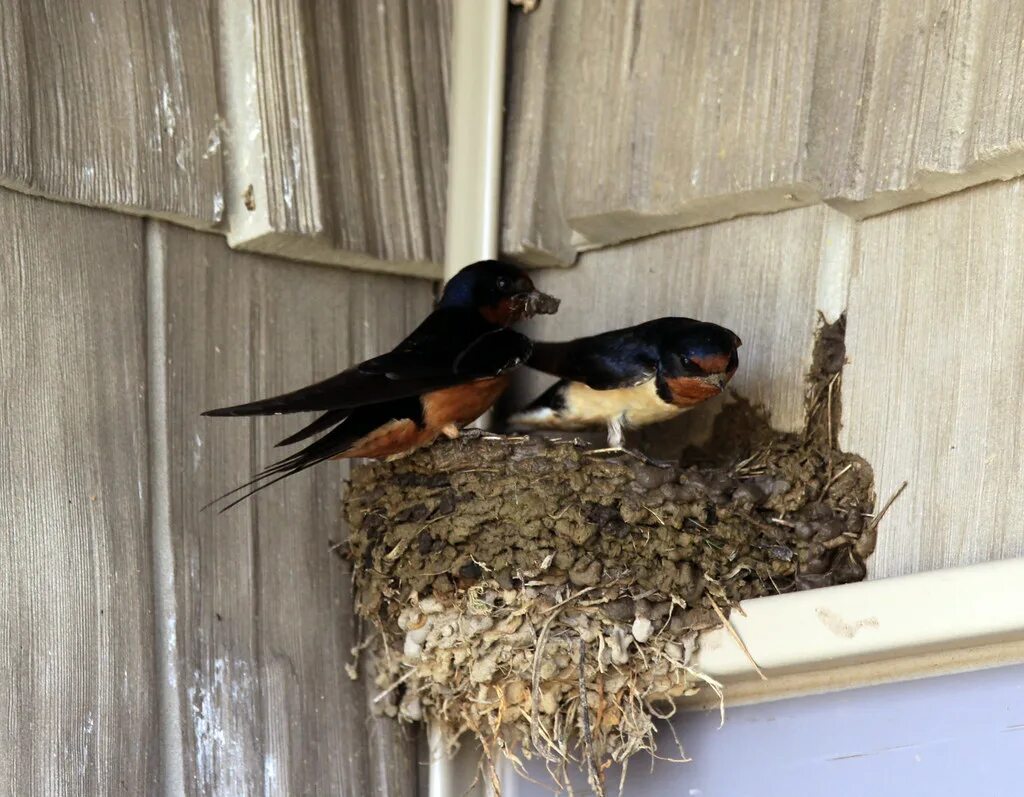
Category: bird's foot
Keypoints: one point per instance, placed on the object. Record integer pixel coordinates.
(637, 455)
(475, 434)
(656, 463)
(451, 431)
(616, 434)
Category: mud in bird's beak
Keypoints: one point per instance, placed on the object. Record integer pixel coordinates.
(537, 303)
(717, 381)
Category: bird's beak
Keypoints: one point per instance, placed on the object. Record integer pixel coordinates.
(537, 303)
(717, 381)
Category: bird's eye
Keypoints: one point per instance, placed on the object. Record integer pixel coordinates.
(502, 284)
(686, 361)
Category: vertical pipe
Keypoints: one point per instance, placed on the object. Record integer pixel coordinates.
(172, 757)
(471, 230)
(474, 132)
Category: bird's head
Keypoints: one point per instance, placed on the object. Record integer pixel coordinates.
(700, 357)
(501, 292)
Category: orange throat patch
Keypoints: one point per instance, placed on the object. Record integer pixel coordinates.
(689, 391)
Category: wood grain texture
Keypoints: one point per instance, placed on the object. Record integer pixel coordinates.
(630, 118)
(756, 275)
(112, 104)
(933, 390)
(915, 102)
(264, 610)
(534, 229)
(339, 130)
(76, 591)
(394, 757)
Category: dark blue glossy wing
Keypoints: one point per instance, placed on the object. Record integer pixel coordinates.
(603, 362)
(450, 347)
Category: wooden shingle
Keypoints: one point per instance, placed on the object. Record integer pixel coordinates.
(79, 686)
(933, 390)
(338, 128)
(264, 617)
(627, 119)
(915, 102)
(112, 104)
(632, 118)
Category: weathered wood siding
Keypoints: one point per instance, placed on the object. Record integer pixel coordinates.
(79, 676)
(150, 646)
(333, 116)
(112, 104)
(913, 101)
(146, 644)
(630, 117)
(263, 609)
(337, 114)
(934, 392)
(759, 107)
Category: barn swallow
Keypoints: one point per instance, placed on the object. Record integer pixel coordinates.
(447, 373)
(630, 377)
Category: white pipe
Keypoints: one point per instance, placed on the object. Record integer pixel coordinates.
(474, 132)
(475, 121)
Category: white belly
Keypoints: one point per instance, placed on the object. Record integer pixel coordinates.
(636, 406)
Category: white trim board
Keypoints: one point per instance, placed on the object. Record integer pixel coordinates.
(867, 633)
(870, 632)
(475, 118)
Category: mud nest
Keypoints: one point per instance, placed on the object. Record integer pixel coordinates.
(548, 599)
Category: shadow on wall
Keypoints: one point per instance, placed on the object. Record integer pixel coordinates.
(958, 734)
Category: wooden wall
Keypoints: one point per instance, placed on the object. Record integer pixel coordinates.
(630, 117)
(147, 643)
(150, 646)
(113, 104)
(77, 625)
(783, 151)
(337, 120)
(262, 608)
(312, 130)
(933, 393)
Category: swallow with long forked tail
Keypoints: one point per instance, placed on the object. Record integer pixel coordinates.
(630, 377)
(447, 373)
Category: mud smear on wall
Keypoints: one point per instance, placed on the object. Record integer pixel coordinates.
(504, 577)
